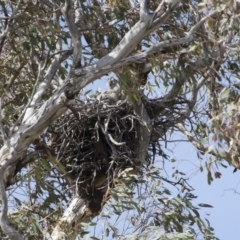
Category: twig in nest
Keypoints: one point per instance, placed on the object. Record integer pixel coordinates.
(106, 122)
(115, 142)
(130, 117)
(107, 139)
(96, 129)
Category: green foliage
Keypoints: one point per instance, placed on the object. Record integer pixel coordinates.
(143, 207)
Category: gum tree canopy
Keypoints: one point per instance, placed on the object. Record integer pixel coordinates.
(69, 156)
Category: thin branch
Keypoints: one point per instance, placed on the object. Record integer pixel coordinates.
(159, 11)
(32, 100)
(6, 227)
(90, 36)
(177, 85)
(14, 15)
(199, 24)
(194, 94)
(164, 9)
(68, 13)
(1, 124)
(191, 138)
(44, 85)
(200, 146)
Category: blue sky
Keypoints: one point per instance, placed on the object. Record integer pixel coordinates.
(221, 194)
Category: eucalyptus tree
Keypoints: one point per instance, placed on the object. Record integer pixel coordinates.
(66, 153)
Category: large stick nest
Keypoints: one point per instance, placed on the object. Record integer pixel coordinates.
(96, 141)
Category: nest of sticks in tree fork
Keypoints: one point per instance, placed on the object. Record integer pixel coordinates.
(95, 141)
